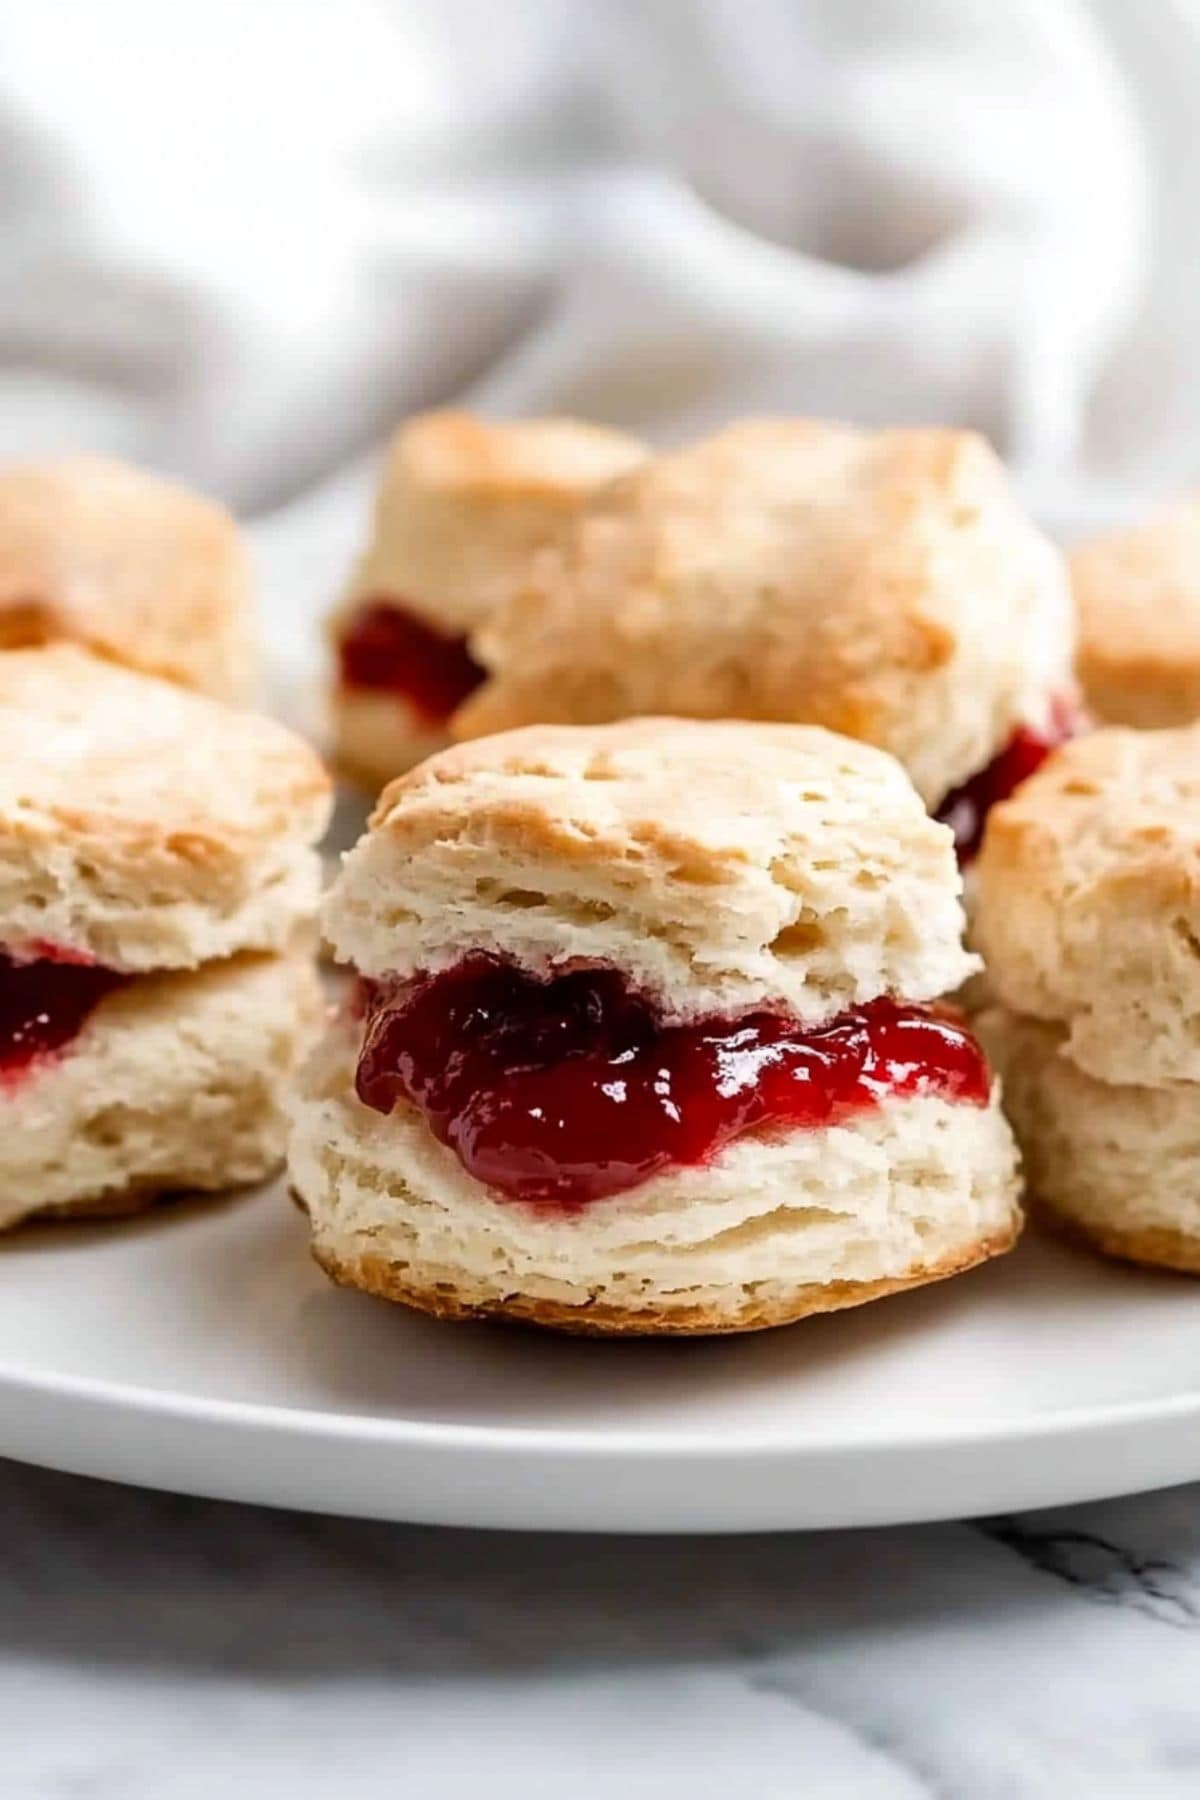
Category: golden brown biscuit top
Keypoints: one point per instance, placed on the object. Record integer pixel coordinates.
(136, 568)
(882, 584)
(1138, 595)
(163, 784)
(717, 794)
(466, 503)
(458, 452)
(718, 863)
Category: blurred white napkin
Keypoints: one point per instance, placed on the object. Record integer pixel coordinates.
(239, 240)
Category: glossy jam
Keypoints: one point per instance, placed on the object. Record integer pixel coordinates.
(563, 1091)
(388, 649)
(46, 998)
(966, 808)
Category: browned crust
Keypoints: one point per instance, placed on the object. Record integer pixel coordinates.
(377, 1275)
(1156, 1247)
(222, 785)
(676, 787)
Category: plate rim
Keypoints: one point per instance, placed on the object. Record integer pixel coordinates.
(432, 1436)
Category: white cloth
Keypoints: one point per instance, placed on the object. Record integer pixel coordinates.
(239, 238)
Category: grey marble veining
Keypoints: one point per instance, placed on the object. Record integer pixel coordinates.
(159, 1648)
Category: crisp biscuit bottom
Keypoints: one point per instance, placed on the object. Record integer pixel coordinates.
(376, 1275)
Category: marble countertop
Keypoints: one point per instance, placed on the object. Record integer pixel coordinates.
(159, 1648)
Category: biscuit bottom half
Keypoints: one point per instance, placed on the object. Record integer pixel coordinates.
(175, 1082)
(1114, 1166)
(775, 1227)
(377, 736)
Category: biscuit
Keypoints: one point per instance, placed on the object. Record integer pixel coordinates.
(1117, 1166)
(137, 569)
(1088, 903)
(718, 865)
(146, 827)
(175, 1082)
(775, 1229)
(622, 1056)
(1138, 598)
(463, 506)
(883, 584)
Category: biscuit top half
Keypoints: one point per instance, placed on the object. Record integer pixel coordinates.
(883, 584)
(1088, 897)
(719, 866)
(136, 568)
(465, 503)
(144, 826)
(1138, 596)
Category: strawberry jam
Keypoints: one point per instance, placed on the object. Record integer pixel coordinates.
(388, 649)
(45, 1001)
(965, 809)
(561, 1091)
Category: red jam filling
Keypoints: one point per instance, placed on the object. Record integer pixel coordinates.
(965, 809)
(45, 1000)
(562, 1091)
(388, 649)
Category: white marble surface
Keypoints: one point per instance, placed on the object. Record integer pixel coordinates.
(158, 1648)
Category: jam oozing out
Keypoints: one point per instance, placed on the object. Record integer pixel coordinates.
(388, 649)
(562, 1091)
(45, 1001)
(965, 809)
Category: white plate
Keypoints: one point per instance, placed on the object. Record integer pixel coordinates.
(198, 1349)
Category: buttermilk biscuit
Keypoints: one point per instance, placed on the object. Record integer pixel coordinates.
(1115, 1165)
(463, 506)
(158, 880)
(1088, 903)
(883, 584)
(141, 571)
(1138, 599)
(146, 827)
(722, 865)
(176, 1081)
(723, 878)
